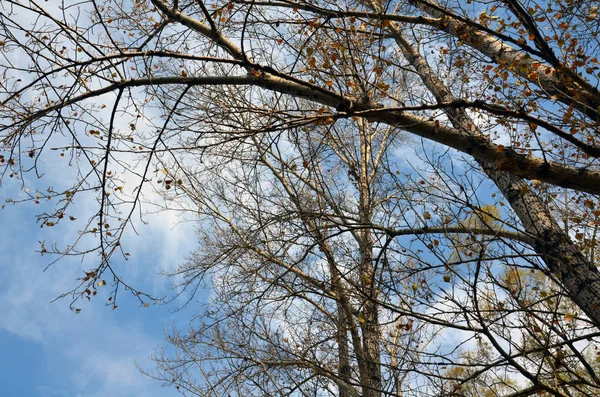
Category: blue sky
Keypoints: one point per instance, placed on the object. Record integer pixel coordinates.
(48, 350)
(45, 348)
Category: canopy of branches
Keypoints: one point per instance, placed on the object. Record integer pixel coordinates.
(394, 197)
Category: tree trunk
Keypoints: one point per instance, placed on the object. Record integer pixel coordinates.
(370, 318)
(579, 277)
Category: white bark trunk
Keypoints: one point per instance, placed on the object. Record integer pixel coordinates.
(579, 277)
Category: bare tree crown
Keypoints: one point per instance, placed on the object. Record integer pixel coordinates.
(371, 178)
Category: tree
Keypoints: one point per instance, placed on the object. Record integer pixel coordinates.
(280, 124)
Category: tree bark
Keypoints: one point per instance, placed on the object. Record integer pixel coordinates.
(371, 333)
(579, 277)
(557, 80)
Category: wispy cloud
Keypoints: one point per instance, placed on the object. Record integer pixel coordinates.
(93, 353)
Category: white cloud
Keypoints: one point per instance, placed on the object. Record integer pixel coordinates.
(92, 353)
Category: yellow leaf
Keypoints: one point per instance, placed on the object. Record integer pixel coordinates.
(569, 317)
(523, 190)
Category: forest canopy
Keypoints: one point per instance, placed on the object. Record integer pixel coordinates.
(393, 197)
